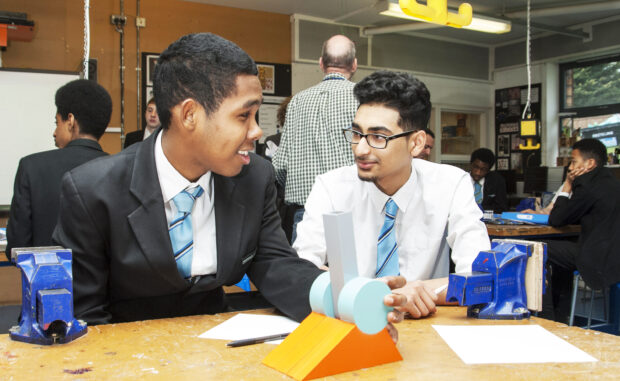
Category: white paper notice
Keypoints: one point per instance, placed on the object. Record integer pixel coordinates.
(506, 344)
(247, 326)
(268, 119)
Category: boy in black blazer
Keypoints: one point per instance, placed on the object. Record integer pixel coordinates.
(590, 196)
(152, 123)
(118, 214)
(491, 194)
(83, 113)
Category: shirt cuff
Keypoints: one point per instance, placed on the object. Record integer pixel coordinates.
(564, 194)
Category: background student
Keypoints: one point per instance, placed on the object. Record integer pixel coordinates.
(590, 197)
(83, 110)
(489, 187)
(152, 123)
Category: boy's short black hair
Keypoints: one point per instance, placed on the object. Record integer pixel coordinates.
(201, 66)
(592, 149)
(89, 103)
(399, 91)
(485, 155)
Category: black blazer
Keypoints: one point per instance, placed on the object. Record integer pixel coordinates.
(112, 216)
(595, 204)
(36, 194)
(133, 137)
(494, 193)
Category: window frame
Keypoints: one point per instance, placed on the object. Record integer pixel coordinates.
(612, 108)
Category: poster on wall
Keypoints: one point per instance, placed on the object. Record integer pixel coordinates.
(534, 96)
(267, 77)
(514, 101)
(515, 140)
(151, 61)
(509, 104)
(505, 128)
(503, 145)
(516, 162)
(503, 164)
(275, 81)
(149, 94)
(268, 119)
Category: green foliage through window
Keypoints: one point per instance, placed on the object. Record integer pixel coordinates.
(593, 85)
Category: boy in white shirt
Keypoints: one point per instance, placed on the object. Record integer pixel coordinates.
(407, 213)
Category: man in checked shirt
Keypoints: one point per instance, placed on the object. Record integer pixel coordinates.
(312, 142)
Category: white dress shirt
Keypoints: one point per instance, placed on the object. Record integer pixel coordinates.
(147, 133)
(436, 211)
(171, 182)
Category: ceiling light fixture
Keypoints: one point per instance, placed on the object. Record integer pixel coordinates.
(478, 23)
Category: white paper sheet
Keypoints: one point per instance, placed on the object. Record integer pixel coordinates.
(247, 326)
(506, 344)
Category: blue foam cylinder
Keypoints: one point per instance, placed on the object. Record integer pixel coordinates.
(361, 302)
(321, 295)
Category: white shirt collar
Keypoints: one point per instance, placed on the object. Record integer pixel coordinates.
(147, 133)
(402, 197)
(171, 181)
(481, 182)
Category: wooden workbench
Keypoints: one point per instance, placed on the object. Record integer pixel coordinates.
(531, 231)
(169, 349)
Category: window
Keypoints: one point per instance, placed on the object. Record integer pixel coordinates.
(590, 96)
(592, 87)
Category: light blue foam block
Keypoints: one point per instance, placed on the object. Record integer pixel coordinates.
(321, 295)
(361, 302)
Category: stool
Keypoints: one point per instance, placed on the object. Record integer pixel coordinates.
(614, 304)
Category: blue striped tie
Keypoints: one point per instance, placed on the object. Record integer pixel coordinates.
(180, 229)
(478, 192)
(387, 249)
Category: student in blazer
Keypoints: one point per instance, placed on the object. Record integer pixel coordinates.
(152, 123)
(493, 185)
(83, 110)
(590, 196)
(116, 213)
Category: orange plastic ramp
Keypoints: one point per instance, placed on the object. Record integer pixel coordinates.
(323, 346)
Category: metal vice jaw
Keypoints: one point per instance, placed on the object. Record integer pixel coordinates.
(47, 297)
(495, 289)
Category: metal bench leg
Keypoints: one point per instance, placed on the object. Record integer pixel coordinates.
(573, 299)
(591, 304)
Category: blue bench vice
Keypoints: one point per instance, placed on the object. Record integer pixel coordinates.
(495, 289)
(47, 297)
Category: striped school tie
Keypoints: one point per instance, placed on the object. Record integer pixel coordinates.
(478, 192)
(387, 249)
(180, 230)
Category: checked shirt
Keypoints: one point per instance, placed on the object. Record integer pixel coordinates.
(312, 141)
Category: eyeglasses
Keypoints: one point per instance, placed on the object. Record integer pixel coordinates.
(374, 140)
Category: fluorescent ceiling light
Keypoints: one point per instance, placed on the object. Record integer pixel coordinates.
(478, 23)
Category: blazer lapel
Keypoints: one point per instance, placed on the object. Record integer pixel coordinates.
(229, 217)
(148, 220)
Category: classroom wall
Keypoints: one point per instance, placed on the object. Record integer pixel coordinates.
(58, 42)
(444, 90)
(605, 38)
(547, 74)
(397, 51)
